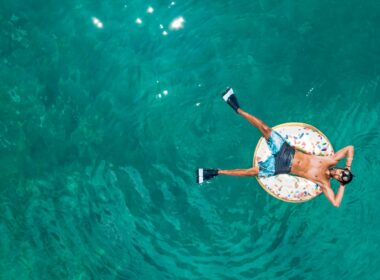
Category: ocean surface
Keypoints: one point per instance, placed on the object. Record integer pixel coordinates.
(108, 107)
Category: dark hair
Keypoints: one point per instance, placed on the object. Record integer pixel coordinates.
(346, 176)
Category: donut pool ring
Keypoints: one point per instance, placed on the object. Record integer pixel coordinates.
(305, 138)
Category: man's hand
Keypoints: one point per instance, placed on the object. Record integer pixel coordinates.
(334, 199)
(350, 157)
(347, 152)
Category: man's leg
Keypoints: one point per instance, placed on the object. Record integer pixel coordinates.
(230, 97)
(203, 174)
(265, 130)
(240, 172)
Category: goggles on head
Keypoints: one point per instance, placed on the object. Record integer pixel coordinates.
(345, 175)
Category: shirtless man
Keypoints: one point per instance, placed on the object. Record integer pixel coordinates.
(285, 159)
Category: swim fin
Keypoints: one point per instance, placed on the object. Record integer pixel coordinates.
(205, 174)
(231, 99)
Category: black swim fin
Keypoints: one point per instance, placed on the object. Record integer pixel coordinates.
(205, 174)
(231, 99)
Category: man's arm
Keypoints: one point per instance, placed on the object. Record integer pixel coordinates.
(347, 152)
(329, 193)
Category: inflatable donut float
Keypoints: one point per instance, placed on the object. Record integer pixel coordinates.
(302, 137)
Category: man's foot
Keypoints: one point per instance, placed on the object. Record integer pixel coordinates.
(205, 174)
(231, 99)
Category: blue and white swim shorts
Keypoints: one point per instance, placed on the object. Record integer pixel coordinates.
(280, 161)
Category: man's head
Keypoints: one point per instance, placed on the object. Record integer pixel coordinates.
(343, 175)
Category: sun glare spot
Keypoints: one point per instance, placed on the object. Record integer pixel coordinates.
(97, 22)
(177, 23)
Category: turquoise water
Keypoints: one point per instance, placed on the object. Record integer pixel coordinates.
(101, 130)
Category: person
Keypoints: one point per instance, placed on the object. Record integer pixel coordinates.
(286, 159)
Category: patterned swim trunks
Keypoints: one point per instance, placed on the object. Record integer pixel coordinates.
(280, 161)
